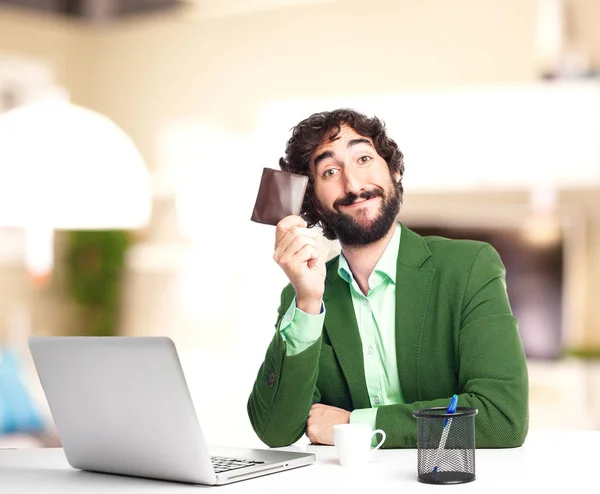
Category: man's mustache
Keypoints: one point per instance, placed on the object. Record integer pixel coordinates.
(351, 197)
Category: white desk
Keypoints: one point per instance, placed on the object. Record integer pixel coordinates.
(548, 459)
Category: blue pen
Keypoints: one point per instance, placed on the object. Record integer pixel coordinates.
(447, 423)
(451, 408)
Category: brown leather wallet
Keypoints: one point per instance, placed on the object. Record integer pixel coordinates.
(279, 195)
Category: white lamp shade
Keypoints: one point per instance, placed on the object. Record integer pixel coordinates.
(67, 167)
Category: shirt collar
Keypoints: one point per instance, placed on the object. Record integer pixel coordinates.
(386, 265)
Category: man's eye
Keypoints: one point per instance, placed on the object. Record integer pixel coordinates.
(364, 159)
(329, 173)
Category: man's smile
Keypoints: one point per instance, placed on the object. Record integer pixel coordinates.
(360, 203)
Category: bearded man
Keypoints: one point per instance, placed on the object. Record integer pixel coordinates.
(397, 322)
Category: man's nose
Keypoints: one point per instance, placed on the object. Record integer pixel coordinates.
(352, 181)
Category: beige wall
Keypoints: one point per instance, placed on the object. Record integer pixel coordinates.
(580, 213)
(584, 23)
(226, 69)
(62, 43)
(144, 72)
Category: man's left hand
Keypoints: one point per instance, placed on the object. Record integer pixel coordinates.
(321, 419)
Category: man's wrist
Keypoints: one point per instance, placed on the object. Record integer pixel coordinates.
(312, 307)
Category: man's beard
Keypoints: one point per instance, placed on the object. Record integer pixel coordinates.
(351, 232)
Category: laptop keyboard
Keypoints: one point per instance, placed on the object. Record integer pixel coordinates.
(223, 464)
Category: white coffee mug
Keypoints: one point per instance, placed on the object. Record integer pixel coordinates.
(353, 443)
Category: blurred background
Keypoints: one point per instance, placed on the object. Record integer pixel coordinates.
(133, 134)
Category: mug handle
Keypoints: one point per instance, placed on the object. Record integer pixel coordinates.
(383, 437)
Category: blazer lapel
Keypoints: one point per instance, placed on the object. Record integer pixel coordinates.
(413, 289)
(342, 329)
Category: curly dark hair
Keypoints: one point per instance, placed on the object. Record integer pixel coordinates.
(311, 132)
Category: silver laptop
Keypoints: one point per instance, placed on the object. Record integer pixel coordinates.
(121, 405)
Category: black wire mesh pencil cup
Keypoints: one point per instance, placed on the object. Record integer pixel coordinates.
(446, 445)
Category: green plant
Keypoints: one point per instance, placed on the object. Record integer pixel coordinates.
(95, 264)
(592, 352)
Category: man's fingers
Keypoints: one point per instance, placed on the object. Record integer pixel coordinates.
(305, 254)
(312, 436)
(291, 220)
(290, 245)
(286, 224)
(314, 412)
(312, 431)
(281, 242)
(315, 426)
(298, 253)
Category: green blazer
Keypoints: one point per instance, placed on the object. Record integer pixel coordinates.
(455, 334)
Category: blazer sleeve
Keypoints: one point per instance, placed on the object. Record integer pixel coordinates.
(492, 369)
(285, 388)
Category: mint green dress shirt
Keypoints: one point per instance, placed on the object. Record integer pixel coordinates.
(375, 315)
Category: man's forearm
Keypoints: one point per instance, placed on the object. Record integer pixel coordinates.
(493, 426)
(300, 330)
(283, 393)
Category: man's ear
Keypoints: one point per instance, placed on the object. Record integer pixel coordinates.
(397, 177)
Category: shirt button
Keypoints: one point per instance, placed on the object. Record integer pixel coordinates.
(271, 380)
(376, 400)
(365, 302)
(370, 350)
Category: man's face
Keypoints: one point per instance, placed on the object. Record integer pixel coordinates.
(355, 194)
